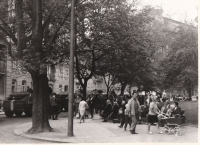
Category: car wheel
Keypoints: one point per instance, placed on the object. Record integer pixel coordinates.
(9, 113)
(18, 113)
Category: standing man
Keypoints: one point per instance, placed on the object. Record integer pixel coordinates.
(54, 109)
(92, 104)
(134, 111)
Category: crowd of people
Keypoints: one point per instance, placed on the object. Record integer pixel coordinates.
(127, 109)
(124, 109)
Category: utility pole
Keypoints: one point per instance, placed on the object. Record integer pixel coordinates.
(71, 75)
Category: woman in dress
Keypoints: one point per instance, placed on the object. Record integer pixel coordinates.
(152, 115)
(82, 108)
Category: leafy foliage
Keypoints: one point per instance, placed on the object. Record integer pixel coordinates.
(181, 65)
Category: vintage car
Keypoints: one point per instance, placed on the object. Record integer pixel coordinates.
(17, 103)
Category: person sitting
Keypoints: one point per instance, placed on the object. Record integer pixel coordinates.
(176, 110)
(107, 111)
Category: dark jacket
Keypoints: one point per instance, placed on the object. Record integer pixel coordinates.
(92, 102)
(108, 109)
(176, 111)
(115, 111)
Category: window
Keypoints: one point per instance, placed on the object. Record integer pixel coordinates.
(66, 88)
(24, 85)
(14, 84)
(14, 64)
(60, 88)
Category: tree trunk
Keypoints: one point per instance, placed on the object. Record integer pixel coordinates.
(84, 86)
(123, 88)
(108, 88)
(40, 110)
(190, 93)
(130, 90)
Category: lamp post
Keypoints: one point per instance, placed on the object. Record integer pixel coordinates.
(71, 75)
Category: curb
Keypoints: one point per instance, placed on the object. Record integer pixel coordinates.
(20, 132)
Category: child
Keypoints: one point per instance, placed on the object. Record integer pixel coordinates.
(127, 118)
(169, 112)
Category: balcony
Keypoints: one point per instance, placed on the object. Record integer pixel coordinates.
(2, 67)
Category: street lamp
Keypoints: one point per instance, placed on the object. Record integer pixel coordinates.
(71, 75)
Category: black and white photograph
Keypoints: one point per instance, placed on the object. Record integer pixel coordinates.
(98, 71)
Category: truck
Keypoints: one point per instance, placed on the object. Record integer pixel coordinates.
(17, 103)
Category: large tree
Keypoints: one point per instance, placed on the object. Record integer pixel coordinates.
(93, 42)
(181, 64)
(130, 61)
(34, 29)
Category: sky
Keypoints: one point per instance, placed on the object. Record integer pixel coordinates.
(176, 9)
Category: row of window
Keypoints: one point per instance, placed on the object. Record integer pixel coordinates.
(65, 88)
(23, 86)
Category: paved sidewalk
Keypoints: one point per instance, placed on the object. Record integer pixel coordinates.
(96, 131)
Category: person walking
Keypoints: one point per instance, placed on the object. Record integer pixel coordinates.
(82, 108)
(152, 115)
(122, 121)
(107, 111)
(114, 114)
(92, 105)
(76, 102)
(133, 111)
(127, 118)
(54, 109)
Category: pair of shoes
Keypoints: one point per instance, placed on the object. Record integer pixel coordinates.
(125, 129)
(133, 132)
(160, 132)
(120, 126)
(150, 132)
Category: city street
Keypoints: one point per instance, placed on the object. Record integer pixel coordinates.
(111, 130)
(7, 125)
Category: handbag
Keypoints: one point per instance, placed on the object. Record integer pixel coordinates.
(120, 111)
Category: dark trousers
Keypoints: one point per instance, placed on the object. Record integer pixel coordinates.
(92, 111)
(127, 121)
(122, 120)
(54, 112)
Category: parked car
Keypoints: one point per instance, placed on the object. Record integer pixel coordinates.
(17, 103)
